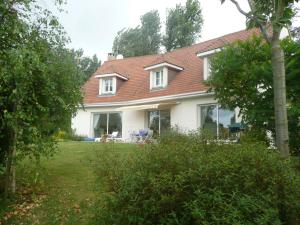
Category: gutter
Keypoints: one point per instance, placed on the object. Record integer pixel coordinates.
(151, 100)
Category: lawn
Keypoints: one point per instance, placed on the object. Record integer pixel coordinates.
(62, 189)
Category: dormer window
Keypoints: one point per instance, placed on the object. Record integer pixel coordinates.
(206, 56)
(159, 74)
(158, 79)
(107, 86)
(108, 83)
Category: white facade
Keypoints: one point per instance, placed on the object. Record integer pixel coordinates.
(184, 114)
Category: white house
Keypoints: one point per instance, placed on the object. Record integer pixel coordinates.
(156, 92)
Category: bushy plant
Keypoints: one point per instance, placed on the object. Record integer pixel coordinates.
(182, 180)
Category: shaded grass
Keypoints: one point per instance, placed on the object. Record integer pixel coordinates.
(61, 189)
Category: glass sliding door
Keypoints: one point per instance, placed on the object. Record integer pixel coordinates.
(153, 122)
(159, 121)
(107, 123)
(165, 121)
(226, 118)
(216, 121)
(100, 124)
(209, 119)
(115, 123)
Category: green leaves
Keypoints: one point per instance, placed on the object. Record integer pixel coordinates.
(39, 78)
(242, 77)
(183, 25)
(142, 40)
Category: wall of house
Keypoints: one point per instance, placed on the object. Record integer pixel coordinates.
(185, 114)
(132, 121)
(83, 120)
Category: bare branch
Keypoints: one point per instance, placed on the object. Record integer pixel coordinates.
(240, 9)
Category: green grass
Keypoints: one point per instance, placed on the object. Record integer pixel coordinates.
(62, 189)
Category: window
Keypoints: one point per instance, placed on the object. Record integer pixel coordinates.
(158, 79)
(107, 123)
(216, 121)
(159, 121)
(107, 85)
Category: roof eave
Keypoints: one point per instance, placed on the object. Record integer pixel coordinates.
(164, 64)
(111, 75)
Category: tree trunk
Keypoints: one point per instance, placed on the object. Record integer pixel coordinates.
(279, 83)
(10, 179)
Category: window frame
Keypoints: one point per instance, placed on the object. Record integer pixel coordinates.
(218, 107)
(107, 86)
(158, 76)
(107, 121)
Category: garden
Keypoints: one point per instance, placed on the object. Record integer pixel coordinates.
(184, 179)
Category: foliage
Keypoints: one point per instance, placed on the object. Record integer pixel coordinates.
(70, 135)
(183, 25)
(182, 180)
(271, 16)
(39, 80)
(241, 76)
(87, 65)
(142, 40)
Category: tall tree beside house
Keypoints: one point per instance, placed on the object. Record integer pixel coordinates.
(142, 40)
(87, 65)
(39, 83)
(271, 16)
(241, 76)
(183, 25)
(150, 30)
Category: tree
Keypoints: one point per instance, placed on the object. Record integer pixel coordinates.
(39, 83)
(241, 76)
(87, 65)
(150, 30)
(183, 25)
(271, 16)
(142, 40)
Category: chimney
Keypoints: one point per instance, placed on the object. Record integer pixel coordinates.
(110, 56)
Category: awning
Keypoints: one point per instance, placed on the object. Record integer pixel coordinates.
(148, 106)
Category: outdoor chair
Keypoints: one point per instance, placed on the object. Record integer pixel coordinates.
(112, 136)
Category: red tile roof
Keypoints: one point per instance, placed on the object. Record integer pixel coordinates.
(137, 87)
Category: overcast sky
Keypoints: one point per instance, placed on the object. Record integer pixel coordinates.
(93, 24)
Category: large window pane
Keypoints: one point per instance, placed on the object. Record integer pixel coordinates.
(165, 123)
(100, 124)
(216, 121)
(154, 122)
(115, 124)
(208, 119)
(226, 118)
(159, 121)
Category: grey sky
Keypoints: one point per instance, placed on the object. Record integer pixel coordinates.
(93, 24)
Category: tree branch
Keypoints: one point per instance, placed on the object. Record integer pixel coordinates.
(251, 15)
(240, 9)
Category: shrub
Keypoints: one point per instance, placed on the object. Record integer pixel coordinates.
(182, 181)
(63, 135)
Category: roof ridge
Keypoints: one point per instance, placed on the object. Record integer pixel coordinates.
(213, 39)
